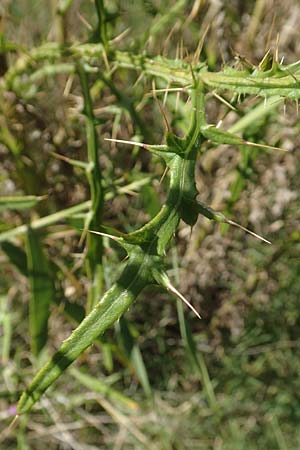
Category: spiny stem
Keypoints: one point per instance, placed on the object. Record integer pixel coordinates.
(235, 224)
(145, 246)
(259, 82)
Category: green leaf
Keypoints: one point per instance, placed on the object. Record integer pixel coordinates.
(111, 307)
(17, 256)
(221, 137)
(41, 291)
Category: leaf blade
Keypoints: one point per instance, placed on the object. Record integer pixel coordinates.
(41, 291)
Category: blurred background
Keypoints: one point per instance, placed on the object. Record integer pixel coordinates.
(161, 379)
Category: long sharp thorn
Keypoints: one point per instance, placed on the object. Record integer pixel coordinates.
(68, 85)
(139, 144)
(120, 36)
(269, 37)
(179, 295)
(166, 96)
(84, 21)
(121, 141)
(198, 51)
(179, 89)
(168, 128)
(224, 101)
(276, 56)
(264, 58)
(177, 101)
(193, 74)
(292, 75)
(164, 115)
(235, 224)
(110, 236)
(6, 432)
(83, 234)
(11, 426)
(195, 9)
(167, 40)
(181, 49)
(270, 147)
(164, 174)
(177, 52)
(139, 78)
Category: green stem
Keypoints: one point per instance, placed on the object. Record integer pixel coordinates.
(100, 34)
(128, 104)
(144, 247)
(45, 221)
(182, 181)
(115, 302)
(281, 80)
(94, 218)
(145, 263)
(68, 212)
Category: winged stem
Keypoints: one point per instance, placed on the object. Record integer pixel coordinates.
(144, 248)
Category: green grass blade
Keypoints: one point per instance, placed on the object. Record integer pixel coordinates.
(189, 343)
(102, 387)
(42, 291)
(133, 353)
(17, 256)
(19, 203)
(9, 140)
(45, 221)
(141, 371)
(6, 325)
(279, 436)
(100, 33)
(94, 218)
(196, 357)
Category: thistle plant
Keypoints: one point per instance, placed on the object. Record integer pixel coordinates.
(146, 247)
